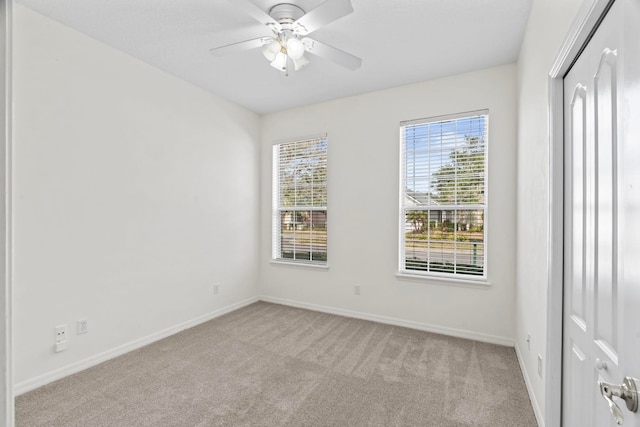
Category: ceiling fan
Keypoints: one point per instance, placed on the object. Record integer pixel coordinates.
(290, 26)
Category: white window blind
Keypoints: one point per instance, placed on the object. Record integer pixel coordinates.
(300, 201)
(443, 195)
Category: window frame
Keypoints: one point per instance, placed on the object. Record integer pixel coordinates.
(276, 209)
(448, 278)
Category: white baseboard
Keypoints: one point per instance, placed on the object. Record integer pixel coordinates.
(460, 333)
(527, 381)
(81, 365)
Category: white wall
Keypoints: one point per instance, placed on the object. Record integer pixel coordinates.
(133, 193)
(363, 174)
(548, 24)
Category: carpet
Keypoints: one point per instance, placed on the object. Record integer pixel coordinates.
(273, 365)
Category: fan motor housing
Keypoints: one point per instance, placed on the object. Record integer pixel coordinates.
(286, 13)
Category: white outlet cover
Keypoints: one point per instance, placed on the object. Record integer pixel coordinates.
(61, 346)
(83, 326)
(61, 333)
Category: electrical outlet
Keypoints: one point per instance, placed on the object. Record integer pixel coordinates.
(356, 289)
(82, 326)
(540, 366)
(61, 338)
(61, 333)
(216, 288)
(529, 341)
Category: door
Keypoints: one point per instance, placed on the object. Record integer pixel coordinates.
(601, 320)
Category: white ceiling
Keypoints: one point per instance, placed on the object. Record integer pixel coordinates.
(399, 41)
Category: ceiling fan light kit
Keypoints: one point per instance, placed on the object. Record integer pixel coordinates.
(270, 49)
(295, 48)
(290, 25)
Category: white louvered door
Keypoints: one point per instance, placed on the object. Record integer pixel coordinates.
(602, 222)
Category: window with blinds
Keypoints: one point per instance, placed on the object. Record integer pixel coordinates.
(300, 201)
(443, 198)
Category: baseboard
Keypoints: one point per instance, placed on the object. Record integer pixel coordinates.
(527, 381)
(460, 333)
(81, 365)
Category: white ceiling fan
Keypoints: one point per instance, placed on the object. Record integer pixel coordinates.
(290, 25)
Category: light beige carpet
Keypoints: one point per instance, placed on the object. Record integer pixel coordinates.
(271, 365)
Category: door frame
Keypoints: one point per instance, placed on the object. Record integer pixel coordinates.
(585, 24)
(7, 407)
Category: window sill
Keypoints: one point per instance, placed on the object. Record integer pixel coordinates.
(436, 280)
(300, 265)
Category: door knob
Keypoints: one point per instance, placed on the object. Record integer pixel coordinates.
(626, 391)
(600, 364)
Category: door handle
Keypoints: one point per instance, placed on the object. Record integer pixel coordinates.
(626, 391)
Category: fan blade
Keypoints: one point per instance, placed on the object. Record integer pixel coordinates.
(322, 15)
(256, 13)
(240, 46)
(331, 53)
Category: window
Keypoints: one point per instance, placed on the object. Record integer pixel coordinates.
(443, 197)
(300, 201)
